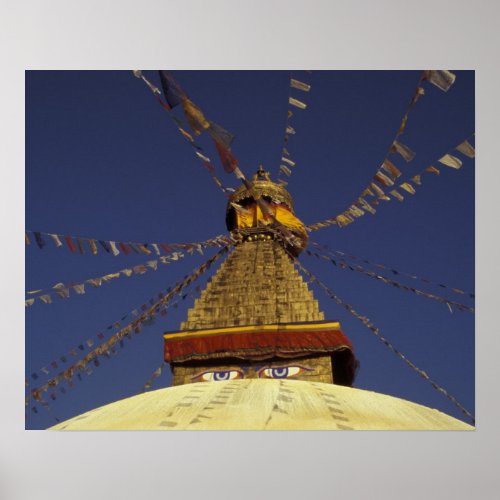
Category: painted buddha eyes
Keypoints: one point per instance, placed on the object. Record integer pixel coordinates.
(218, 376)
(266, 372)
(281, 371)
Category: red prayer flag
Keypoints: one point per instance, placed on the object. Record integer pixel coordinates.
(70, 243)
(124, 248)
(227, 159)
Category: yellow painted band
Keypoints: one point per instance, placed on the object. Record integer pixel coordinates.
(334, 325)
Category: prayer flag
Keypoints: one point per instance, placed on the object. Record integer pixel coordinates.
(285, 170)
(29, 302)
(127, 272)
(466, 149)
(417, 179)
(70, 244)
(105, 245)
(124, 248)
(432, 170)
(357, 212)
(402, 126)
(172, 92)
(397, 195)
(366, 206)
(403, 150)
(156, 249)
(296, 103)
(220, 134)
(39, 240)
(26, 239)
(290, 162)
(187, 135)
(383, 179)
(143, 249)
(391, 169)
(442, 79)
(80, 245)
(407, 187)
(153, 264)
(203, 157)
(114, 250)
(133, 247)
(285, 152)
(296, 84)
(227, 159)
(46, 299)
(93, 246)
(79, 288)
(290, 130)
(195, 117)
(420, 91)
(450, 161)
(56, 239)
(379, 192)
(289, 114)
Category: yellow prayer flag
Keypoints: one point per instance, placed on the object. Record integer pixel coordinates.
(296, 84)
(407, 187)
(451, 161)
(297, 103)
(466, 149)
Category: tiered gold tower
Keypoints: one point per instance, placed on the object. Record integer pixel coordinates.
(257, 318)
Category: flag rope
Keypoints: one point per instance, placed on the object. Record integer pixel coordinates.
(396, 284)
(361, 205)
(104, 348)
(376, 331)
(114, 247)
(355, 258)
(90, 342)
(63, 290)
(285, 161)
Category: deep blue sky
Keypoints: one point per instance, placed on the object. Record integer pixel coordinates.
(104, 160)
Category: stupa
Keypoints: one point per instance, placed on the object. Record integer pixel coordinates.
(255, 351)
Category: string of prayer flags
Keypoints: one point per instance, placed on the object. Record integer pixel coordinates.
(386, 179)
(376, 331)
(174, 96)
(395, 284)
(105, 348)
(396, 272)
(442, 79)
(116, 247)
(387, 172)
(90, 342)
(289, 129)
(63, 290)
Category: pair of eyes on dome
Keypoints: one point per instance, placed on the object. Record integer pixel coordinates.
(277, 372)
